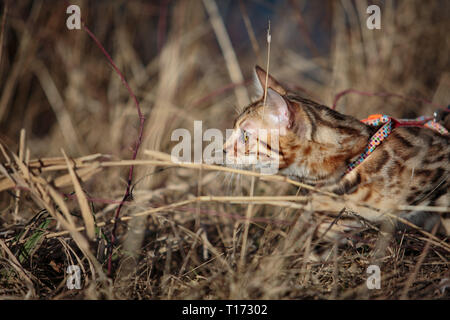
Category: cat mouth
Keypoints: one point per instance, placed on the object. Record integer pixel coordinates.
(269, 166)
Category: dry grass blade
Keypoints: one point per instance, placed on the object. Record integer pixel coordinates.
(248, 217)
(84, 174)
(168, 160)
(248, 27)
(22, 148)
(228, 52)
(56, 101)
(198, 232)
(62, 206)
(40, 191)
(26, 49)
(413, 275)
(274, 201)
(2, 29)
(61, 181)
(127, 218)
(82, 200)
(18, 267)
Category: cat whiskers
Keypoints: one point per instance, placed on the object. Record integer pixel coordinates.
(230, 183)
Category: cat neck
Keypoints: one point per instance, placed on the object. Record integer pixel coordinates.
(323, 141)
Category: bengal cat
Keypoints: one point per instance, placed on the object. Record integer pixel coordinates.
(317, 144)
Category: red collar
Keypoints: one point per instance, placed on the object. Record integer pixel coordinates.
(390, 124)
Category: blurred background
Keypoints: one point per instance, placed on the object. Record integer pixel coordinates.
(194, 60)
(57, 84)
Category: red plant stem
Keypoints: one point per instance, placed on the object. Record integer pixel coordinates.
(135, 151)
(399, 123)
(181, 208)
(191, 210)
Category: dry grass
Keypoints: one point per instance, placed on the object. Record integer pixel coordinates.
(68, 127)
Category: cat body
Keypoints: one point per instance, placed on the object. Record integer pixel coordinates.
(317, 144)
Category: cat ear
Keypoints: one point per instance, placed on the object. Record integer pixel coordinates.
(277, 109)
(260, 82)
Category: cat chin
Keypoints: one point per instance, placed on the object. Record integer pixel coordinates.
(265, 166)
(295, 171)
(238, 166)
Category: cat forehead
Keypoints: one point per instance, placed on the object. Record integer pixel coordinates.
(244, 123)
(250, 112)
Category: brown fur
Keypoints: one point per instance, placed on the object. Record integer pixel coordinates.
(410, 167)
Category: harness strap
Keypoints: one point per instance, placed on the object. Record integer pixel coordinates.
(389, 124)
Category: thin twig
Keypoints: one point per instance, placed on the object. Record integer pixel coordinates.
(247, 225)
(248, 26)
(227, 49)
(136, 148)
(413, 275)
(269, 40)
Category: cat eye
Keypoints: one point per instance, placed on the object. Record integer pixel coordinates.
(245, 136)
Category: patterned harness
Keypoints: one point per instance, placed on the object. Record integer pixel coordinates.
(390, 124)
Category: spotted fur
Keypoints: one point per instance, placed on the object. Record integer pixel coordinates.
(316, 143)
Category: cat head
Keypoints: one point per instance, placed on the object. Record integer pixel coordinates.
(261, 126)
(282, 128)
